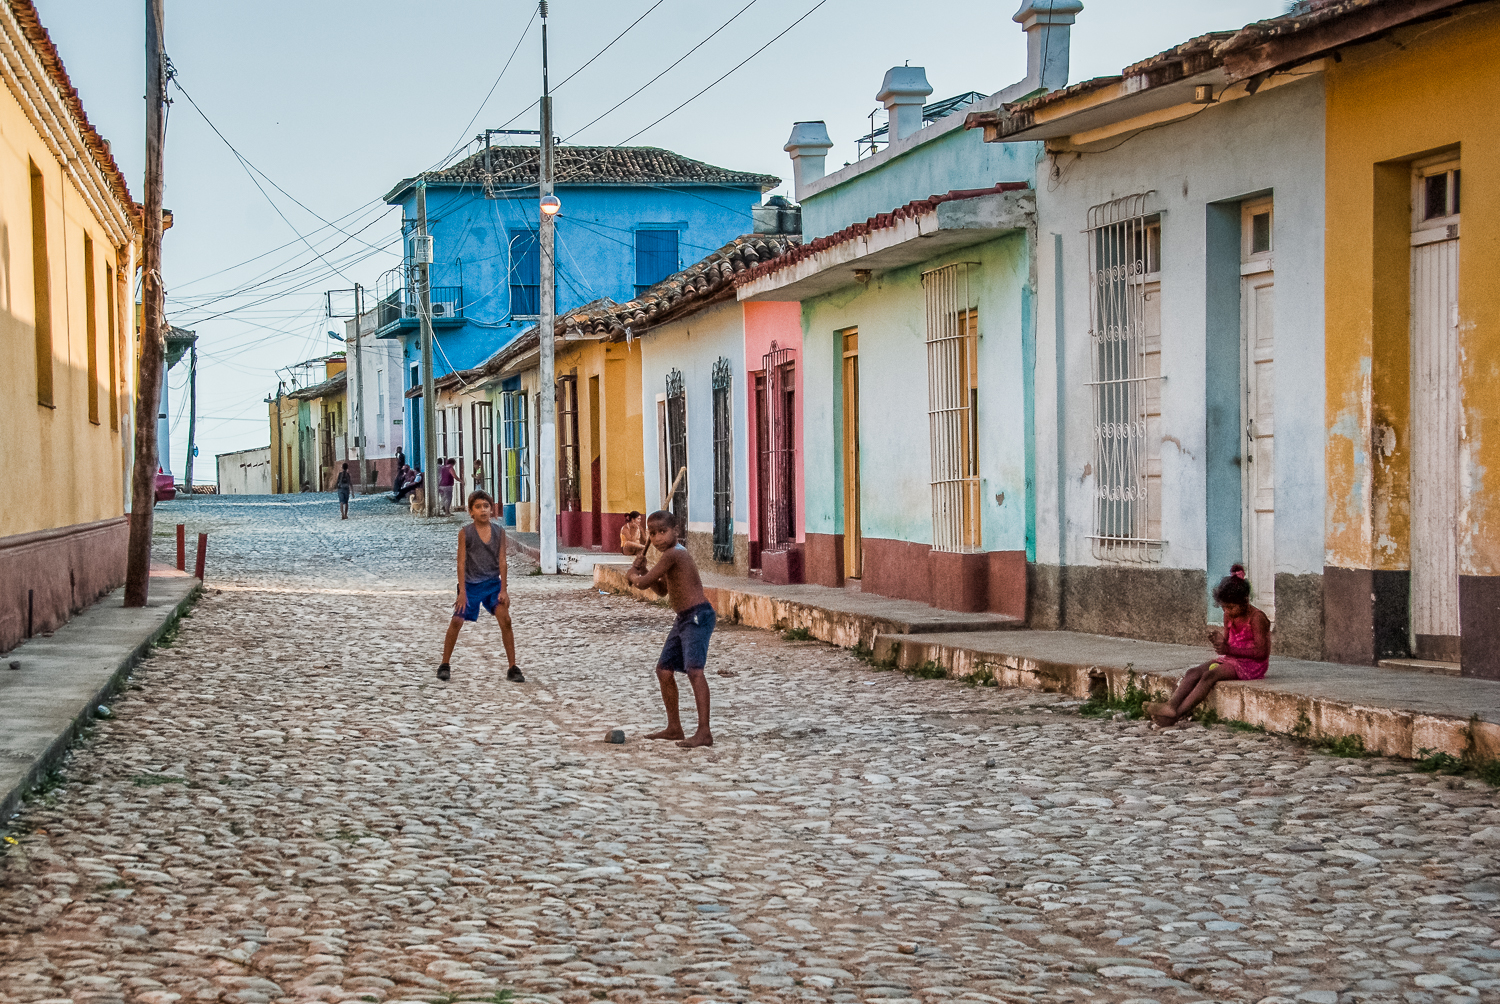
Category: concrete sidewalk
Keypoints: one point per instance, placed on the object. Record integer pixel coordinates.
(570, 560)
(50, 686)
(1393, 712)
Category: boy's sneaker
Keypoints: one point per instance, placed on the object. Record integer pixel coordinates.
(515, 675)
(443, 672)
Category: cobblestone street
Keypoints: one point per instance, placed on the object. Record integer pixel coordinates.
(287, 803)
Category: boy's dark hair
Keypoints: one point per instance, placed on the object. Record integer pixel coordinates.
(346, 467)
(1233, 588)
(662, 517)
(476, 495)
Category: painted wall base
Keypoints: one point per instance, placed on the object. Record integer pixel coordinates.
(1479, 618)
(1366, 615)
(783, 568)
(1299, 616)
(1152, 604)
(823, 559)
(62, 571)
(985, 581)
(700, 545)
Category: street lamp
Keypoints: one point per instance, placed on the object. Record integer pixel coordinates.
(550, 205)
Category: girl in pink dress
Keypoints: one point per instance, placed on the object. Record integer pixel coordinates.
(1243, 644)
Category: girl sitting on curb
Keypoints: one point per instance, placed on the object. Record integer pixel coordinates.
(1243, 644)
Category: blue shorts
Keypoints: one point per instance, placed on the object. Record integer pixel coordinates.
(687, 644)
(485, 593)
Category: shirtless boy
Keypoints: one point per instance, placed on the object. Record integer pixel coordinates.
(686, 651)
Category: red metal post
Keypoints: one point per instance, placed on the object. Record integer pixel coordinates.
(181, 547)
(202, 554)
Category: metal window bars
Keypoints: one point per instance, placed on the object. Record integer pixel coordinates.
(570, 494)
(1120, 250)
(723, 463)
(781, 515)
(952, 406)
(676, 479)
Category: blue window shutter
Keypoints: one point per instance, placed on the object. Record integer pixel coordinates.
(525, 272)
(655, 257)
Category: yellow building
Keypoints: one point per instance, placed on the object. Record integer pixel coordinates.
(600, 471)
(1413, 334)
(309, 430)
(68, 236)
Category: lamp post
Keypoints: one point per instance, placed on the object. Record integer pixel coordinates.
(549, 206)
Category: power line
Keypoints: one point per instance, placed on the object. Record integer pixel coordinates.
(669, 69)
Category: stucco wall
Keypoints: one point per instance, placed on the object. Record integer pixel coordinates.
(954, 159)
(72, 469)
(1388, 105)
(693, 345)
(1271, 144)
(896, 494)
(781, 324)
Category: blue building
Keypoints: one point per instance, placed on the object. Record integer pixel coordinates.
(631, 216)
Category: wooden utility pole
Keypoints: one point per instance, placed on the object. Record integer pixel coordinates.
(547, 392)
(422, 252)
(153, 324)
(192, 447)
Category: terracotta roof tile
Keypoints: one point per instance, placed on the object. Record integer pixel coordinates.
(598, 165)
(883, 221)
(31, 24)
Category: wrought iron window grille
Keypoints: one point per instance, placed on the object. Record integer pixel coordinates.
(953, 406)
(723, 462)
(677, 479)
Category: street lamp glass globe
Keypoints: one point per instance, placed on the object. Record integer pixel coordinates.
(550, 205)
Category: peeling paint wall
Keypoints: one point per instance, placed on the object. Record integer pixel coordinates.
(1420, 91)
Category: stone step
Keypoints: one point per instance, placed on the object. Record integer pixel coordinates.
(1422, 666)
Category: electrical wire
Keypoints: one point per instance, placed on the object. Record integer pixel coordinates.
(663, 73)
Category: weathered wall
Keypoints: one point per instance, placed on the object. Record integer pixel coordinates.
(1389, 104)
(246, 472)
(693, 344)
(1269, 144)
(895, 449)
(72, 468)
(780, 323)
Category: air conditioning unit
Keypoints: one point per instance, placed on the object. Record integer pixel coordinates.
(408, 310)
(448, 309)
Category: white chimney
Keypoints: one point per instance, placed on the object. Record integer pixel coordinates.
(1047, 24)
(903, 91)
(808, 145)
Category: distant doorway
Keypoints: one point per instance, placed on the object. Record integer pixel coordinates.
(854, 562)
(1258, 361)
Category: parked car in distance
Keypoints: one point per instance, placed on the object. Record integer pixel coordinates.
(166, 491)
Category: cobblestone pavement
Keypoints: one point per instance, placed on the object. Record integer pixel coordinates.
(287, 803)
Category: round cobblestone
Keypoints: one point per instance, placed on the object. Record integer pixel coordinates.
(288, 805)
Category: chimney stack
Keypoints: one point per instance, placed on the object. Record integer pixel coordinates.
(1047, 24)
(903, 92)
(809, 145)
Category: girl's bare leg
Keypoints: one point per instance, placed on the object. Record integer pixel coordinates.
(1165, 713)
(1206, 682)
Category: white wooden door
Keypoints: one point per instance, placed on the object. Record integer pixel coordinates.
(1436, 414)
(1258, 367)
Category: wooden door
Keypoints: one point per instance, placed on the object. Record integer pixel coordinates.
(762, 470)
(1436, 415)
(853, 540)
(1258, 360)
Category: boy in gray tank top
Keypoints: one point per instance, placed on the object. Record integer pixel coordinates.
(481, 583)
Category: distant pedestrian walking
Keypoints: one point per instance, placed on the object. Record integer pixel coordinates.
(482, 578)
(445, 485)
(342, 486)
(1243, 644)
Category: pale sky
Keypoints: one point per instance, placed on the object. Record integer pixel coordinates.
(336, 100)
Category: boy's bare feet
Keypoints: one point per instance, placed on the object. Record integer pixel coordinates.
(697, 739)
(666, 733)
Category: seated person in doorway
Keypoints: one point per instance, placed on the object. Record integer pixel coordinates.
(633, 534)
